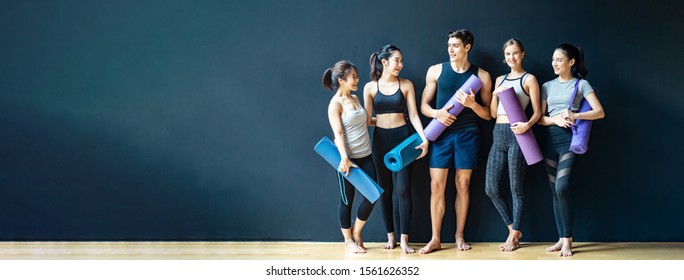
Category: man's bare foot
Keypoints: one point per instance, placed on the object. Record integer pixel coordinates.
(351, 247)
(433, 245)
(391, 242)
(461, 245)
(555, 247)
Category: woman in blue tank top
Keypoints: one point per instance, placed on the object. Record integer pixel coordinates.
(350, 126)
(505, 150)
(390, 96)
(568, 64)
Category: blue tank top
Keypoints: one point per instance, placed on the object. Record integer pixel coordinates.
(447, 84)
(386, 104)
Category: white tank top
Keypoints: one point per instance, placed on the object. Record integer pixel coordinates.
(356, 141)
(517, 85)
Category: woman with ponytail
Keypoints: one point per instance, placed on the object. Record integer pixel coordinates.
(390, 96)
(350, 126)
(560, 115)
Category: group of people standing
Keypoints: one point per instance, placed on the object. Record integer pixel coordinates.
(390, 96)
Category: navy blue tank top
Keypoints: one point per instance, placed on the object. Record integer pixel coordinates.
(386, 104)
(448, 83)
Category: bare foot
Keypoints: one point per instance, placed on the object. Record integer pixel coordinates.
(391, 242)
(406, 248)
(555, 247)
(513, 241)
(356, 232)
(390, 245)
(566, 250)
(462, 245)
(351, 247)
(433, 245)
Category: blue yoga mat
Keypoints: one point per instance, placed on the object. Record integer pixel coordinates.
(361, 181)
(404, 153)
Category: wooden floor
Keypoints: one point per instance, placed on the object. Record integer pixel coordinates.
(321, 251)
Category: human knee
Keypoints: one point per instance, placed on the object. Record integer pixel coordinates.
(437, 187)
(462, 184)
(491, 191)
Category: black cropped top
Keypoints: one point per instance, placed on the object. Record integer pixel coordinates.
(386, 104)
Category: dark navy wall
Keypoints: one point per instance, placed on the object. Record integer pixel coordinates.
(195, 120)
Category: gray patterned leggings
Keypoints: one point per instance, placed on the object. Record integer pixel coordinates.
(506, 151)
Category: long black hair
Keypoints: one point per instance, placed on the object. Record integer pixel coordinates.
(376, 60)
(579, 69)
(339, 71)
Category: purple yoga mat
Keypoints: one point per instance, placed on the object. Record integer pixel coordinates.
(581, 131)
(435, 128)
(514, 112)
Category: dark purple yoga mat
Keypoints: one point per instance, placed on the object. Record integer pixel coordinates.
(514, 112)
(581, 131)
(435, 128)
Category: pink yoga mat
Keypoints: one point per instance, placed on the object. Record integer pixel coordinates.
(435, 128)
(514, 112)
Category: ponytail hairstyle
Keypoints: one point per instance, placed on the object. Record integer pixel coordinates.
(339, 71)
(376, 60)
(579, 70)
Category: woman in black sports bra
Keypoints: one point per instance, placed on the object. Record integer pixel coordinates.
(390, 96)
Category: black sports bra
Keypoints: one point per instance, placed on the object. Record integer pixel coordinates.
(387, 104)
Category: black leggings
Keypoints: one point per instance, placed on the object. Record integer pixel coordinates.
(347, 191)
(559, 161)
(506, 152)
(384, 140)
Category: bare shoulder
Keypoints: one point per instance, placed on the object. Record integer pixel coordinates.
(433, 72)
(531, 78)
(335, 102)
(483, 74)
(436, 68)
(370, 88)
(499, 79)
(406, 83)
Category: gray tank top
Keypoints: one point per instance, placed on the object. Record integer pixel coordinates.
(517, 85)
(356, 140)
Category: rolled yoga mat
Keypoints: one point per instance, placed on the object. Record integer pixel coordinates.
(435, 128)
(581, 131)
(514, 112)
(404, 153)
(361, 181)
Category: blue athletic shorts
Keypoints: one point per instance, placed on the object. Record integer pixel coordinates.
(455, 149)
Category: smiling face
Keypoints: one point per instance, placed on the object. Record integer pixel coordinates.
(351, 82)
(513, 56)
(456, 49)
(394, 63)
(560, 63)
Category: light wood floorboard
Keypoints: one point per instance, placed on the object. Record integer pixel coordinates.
(322, 251)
